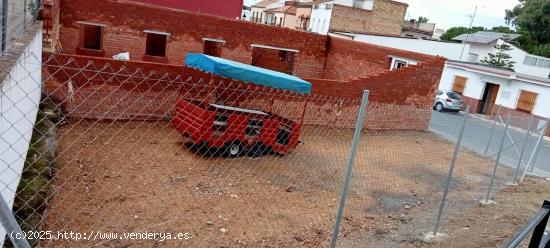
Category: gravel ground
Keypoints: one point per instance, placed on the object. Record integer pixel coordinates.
(138, 176)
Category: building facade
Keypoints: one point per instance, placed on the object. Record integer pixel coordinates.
(284, 16)
(416, 30)
(303, 15)
(482, 43)
(368, 16)
(485, 87)
(257, 9)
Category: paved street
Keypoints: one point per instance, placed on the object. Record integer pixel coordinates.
(476, 137)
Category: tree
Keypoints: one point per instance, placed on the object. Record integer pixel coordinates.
(542, 50)
(534, 18)
(500, 58)
(512, 14)
(531, 18)
(503, 29)
(456, 31)
(423, 19)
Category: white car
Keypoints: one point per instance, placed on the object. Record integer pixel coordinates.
(447, 101)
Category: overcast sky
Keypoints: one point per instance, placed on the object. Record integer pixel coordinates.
(452, 13)
(447, 13)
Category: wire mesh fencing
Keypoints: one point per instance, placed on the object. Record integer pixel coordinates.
(117, 153)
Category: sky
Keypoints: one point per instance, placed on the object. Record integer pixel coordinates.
(452, 13)
(447, 13)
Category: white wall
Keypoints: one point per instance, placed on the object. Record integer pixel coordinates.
(475, 84)
(517, 54)
(319, 16)
(481, 50)
(19, 99)
(444, 49)
(508, 93)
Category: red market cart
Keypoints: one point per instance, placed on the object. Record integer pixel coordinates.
(234, 130)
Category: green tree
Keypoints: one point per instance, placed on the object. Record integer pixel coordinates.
(503, 29)
(423, 19)
(534, 18)
(456, 31)
(531, 18)
(542, 50)
(500, 58)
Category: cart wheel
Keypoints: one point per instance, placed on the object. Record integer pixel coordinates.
(258, 150)
(234, 149)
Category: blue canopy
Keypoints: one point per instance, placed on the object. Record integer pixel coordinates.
(247, 73)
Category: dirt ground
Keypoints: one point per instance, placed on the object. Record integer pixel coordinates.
(495, 225)
(137, 176)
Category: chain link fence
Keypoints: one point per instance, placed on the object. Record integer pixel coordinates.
(110, 153)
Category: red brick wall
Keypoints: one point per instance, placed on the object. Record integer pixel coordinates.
(50, 18)
(347, 59)
(351, 66)
(474, 104)
(126, 21)
(107, 89)
(273, 59)
(226, 8)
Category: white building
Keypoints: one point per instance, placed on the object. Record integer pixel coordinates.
(524, 89)
(482, 43)
(448, 50)
(257, 9)
(483, 87)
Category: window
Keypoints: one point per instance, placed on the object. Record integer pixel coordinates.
(213, 47)
(459, 84)
(399, 64)
(283, 55)
(91, 38)
(220, 123)
(526, 101)
(156, 44)
(254, 127)
(530, 60)
(534, 61)
(454, 96)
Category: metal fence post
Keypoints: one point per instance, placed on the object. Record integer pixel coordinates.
(527, 134)
(486, 201)
(347, 176)
(9, 223)
(451, 170)
(534, 154)
(492, 130)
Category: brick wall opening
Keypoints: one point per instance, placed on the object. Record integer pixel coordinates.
(156, 45)
(274, 59)
(91, 37)
(213, 48)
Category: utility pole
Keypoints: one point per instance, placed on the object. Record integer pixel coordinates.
(468, 34)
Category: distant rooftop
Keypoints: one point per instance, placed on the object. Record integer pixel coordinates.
(263, 3)
(284, 9)
(502, 71)
(485, 37)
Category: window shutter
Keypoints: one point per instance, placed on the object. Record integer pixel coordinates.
(526, 101)
(459, 84)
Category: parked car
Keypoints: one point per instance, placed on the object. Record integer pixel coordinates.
(447, 101)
